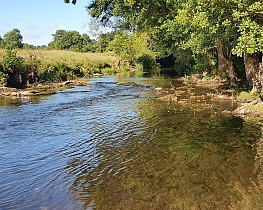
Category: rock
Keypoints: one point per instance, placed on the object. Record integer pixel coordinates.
(26, 93)
(158, 89)
(169, 97)
(226, 112)
(242, 111)
(255, 102)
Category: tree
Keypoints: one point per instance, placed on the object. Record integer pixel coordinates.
(103, 41)
(13, 39)
(86, 38)
(211, 30)
(67, 40)
(72, 1)
(121, 45)
(249, 18)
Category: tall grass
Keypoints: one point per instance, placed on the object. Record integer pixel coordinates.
(55, 65)
(92, 62)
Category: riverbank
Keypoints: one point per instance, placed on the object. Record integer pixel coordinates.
(195, 90)
(205, 91)
(39, 89)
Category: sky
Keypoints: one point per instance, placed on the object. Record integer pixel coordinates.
(37, 20)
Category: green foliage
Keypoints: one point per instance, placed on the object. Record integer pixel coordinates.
(103, 41)
(71, 40)
(134, 47)
(185, 62)
(13, 39)
(121, 46)
(19, 68)
(147, 61)
(56, 72)
(67, 40)
(13, 66)
(32, 66)
(248, 96)
(3, 77)
(200, 27)
(249, 19)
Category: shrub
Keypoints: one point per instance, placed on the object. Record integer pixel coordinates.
(147, 61)
(3, 77)
(13, 66)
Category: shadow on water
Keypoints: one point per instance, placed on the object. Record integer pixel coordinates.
(17, 101)
(177, 157)
(114, 145)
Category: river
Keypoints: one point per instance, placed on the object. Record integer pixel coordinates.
(114, 145)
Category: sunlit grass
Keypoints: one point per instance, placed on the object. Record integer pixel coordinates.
(67, 56)
(62, 56)
(247, 96)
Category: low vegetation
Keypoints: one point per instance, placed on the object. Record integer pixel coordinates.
(71, 55)
(20, 68)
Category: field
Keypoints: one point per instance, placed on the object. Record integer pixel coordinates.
(70, 56)
(87, 61)
(67, 56)
(52, 65)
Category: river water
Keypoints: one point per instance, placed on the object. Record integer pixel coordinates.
(114, 145)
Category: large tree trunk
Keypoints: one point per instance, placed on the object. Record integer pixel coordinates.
(254, 71)
(225, 64)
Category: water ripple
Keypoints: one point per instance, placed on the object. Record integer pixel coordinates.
(108, 145)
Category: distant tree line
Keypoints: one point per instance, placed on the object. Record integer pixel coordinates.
(16, 71)
(63, 40)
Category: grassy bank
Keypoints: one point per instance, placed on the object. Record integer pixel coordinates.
(70, 57)
(18, 68)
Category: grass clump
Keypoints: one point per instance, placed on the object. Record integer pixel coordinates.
(248, 96)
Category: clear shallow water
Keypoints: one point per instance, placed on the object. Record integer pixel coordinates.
(115, 146)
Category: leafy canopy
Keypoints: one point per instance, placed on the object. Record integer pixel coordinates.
(13, 39)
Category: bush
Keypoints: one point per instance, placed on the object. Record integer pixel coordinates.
(13, 66)
(248, 96)
(147, 61)
(3, 77)
(32, 68)
(56, 72)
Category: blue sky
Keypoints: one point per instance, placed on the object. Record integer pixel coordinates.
(38, 19)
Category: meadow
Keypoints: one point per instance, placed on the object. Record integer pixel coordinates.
(22, 67)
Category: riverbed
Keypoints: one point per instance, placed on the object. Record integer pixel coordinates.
(114, 145)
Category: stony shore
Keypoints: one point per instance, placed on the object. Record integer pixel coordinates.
(211, 90)
(39, 89)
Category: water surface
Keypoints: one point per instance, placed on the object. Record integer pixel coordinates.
(114, 145)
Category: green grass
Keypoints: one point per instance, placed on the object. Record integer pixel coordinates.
(245, 96)
(89, 61)
(256, 108)
(58, 65)
(69, 56)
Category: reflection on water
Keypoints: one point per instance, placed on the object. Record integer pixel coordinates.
(113, 145)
